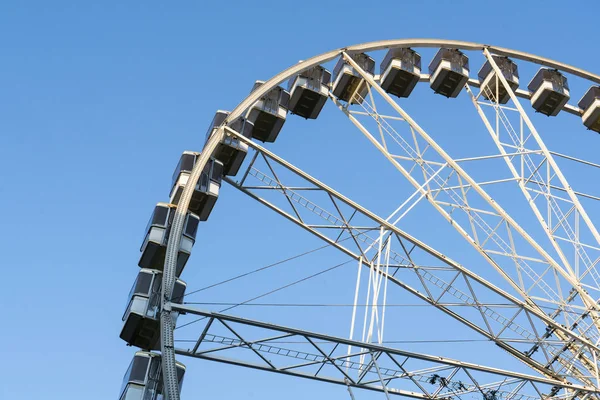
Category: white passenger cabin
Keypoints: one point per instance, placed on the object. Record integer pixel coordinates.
(206, 193)
(590, 104)
(154, 247)
(143, 379)
(400, 71)
(491, 86)
(141, 320)
(231, 151)
(448, 72)
(309, 91)
(348, 84)
(269, 113)
(550, 91)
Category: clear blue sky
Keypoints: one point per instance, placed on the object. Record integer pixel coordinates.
(97, 101)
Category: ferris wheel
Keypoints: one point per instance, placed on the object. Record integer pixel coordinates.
(517, 202)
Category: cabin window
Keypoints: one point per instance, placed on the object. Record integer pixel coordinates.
(191, 227)
(142, 283)
(204, 181)
(135, 373)
(138, 369)
(217, 121)
(140, 286)
(180, 373)
(186, 164)
(159, 217)
(217, 171)
(134, 392)
(178, 292)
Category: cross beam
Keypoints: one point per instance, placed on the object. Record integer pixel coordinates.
(502, 325)
(404, 373)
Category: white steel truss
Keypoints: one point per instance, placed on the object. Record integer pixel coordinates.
(555, 204)
(268, 347)
(576, 301)
(524, 331)
(462, 201)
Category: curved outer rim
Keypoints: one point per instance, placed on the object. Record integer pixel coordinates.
(395, 43)
(211, 144)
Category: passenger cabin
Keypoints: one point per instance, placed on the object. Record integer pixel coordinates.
(141, 320)
(491, 87)
(309, 91)
(550, 91)
(400, 71)
(348, 84)
(143, 379)
(206, 192)
(154, 247)
(448, 72)
(590, 104)
(268, 114)
(231, 151)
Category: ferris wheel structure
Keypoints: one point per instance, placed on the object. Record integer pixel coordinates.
(542, 306)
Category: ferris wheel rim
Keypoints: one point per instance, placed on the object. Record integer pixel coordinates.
(402, 43)
(167, 348)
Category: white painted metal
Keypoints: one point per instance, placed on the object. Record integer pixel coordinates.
(506, 246)
(393, 373)
(496, 208)
(541, 194)
(467, 295)
(558, 209)
(168, 359)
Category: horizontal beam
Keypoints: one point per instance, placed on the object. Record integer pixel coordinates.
(312, 337)
(230, 361)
